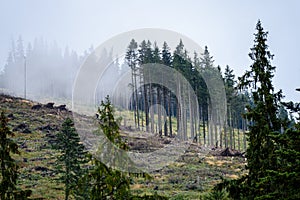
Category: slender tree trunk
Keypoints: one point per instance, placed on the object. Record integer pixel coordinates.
(170, 112)
(209, 132)
(158, 101)
(151, 108)
(178, 112)
(221, 132)
(238, 133)
(191, 116)
(136, 101)
(146, 108)
(203, 126)
(244, 133)
(133, 97)
(184, 122)
(165, 113)
(233, 131)
(216, 132)
(230, 127)
(143, 101)
(225, 134)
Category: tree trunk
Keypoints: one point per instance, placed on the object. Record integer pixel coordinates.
(158, 101)
(146, 108)
(136, 101)
(165, 113)
(151, 108)
(170, 113)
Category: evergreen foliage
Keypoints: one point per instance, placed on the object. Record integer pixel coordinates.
(106, 182)
(9, 167)
(72, 157)
(273, 158)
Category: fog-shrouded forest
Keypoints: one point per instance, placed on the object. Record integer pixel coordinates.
(48, 69)
(167, 96)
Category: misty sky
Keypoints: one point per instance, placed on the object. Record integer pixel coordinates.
(226, 27)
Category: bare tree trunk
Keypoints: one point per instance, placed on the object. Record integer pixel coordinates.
(158, 101)
(230, 127)
(203, 125)
(221, 133)
(146, 108)
(136, 101)
(233, 131)
(196, 128)
(191, 116)
(209, 128)
(151, 108)
(238, 132)
(133, 97)
(170, 113)
(244, 133)
(165, 113)
(216, 131)
(142, 107)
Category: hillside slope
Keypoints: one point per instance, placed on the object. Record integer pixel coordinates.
(36, 125)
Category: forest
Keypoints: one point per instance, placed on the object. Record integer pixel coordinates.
(173, 97)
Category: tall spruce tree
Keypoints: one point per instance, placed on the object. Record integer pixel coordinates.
(8, 166)
(263, 114)
(208, 70)
(131, 59)
(167, 60)
(72, 157)
(230, 97)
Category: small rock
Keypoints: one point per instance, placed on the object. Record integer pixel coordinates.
(36, 107)
(48, 128)
(11, 116)
(23, 145)
(20, 127)
(49, 105)
(49, 135)
(61, 107)
(26, 130)
(192, 186)
(167, 141)
(37, 159)
(230, 152)
(40, 168)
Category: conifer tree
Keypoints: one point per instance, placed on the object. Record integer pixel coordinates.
(208, 70)
(229, 88)
(265, 124)
(72, 157)
(167, 60)
(263, 113)
(8, 166)
(131, 59)
(106, 182)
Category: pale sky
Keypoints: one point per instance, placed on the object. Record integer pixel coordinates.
(226, 27)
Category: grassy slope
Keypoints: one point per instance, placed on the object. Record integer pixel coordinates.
(190, 176)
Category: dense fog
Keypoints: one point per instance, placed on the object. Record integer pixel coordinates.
(50, 70)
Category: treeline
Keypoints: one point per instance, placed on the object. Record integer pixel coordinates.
(46, 69)
(200, 119)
